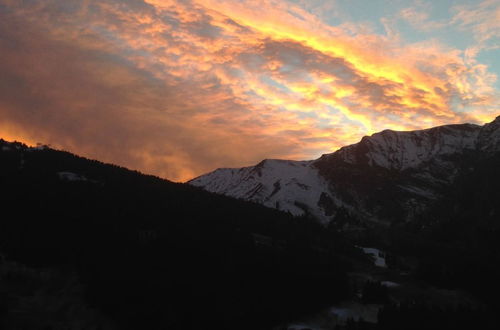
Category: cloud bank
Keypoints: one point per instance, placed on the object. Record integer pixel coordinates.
(178, 88)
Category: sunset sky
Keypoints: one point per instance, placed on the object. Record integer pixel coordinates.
(179, 88)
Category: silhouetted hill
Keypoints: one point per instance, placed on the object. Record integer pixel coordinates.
(151, 254)
(87, 245)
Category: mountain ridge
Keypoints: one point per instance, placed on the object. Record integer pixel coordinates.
(88, 242)
(405, 171)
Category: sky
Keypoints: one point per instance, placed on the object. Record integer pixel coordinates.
(180, 88)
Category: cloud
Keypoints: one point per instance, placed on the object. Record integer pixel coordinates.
(419, 17)
(420, 20)
(482, 18)
(178, 88)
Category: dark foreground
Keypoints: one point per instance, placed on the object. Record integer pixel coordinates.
(86, 245)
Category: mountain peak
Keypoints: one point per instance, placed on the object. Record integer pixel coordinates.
(408, 149)
(388, 172)
(489, 139)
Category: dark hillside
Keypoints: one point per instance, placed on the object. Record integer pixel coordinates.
(154, 254)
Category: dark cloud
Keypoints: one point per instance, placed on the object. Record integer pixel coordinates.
(80, 94)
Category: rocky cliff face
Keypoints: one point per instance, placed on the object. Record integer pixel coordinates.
(387, 177)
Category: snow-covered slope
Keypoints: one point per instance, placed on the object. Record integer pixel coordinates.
(389, 176)
(293, 186)
(404, 150)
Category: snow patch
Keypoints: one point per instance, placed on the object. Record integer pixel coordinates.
(378, 256)
(70, 176)
(38, 147)
(287, 185)
(419, 191)
(390, 284)
(404, 150)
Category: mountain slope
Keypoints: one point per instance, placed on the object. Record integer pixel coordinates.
(286, 185)
(146, 253)
(387, 177)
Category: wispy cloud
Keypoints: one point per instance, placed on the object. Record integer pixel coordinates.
(419, 17)
(177, 88)
(482, 18)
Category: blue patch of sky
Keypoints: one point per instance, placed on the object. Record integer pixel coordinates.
(234, 72)
(287, 68)
(370, 11)
(361, 11)
(271, 82)
(252, 94)
(442, 11)
(491, 59)
(307, 115)
(346, 121)
(446, 35)
(296, 15)
(456, 103)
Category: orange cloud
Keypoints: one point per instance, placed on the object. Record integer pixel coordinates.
(178, 88)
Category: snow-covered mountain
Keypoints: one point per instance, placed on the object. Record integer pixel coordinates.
(389, 176)
(287, 185)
